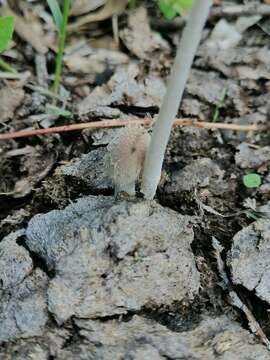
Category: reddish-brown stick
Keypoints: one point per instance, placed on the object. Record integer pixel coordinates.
(120, 123)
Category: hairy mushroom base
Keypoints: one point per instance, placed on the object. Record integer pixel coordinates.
(125, 158)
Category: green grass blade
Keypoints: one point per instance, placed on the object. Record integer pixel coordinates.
(6, 67)
(60, 54)
(131, 4)
(6, 31)
(56, 12)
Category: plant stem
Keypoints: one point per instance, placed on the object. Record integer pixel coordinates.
(60, 54)
(131, 5)
(219, 105)
(6, 67)
(179, 75)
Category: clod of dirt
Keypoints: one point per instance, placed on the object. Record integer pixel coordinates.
(23, 308)
(185, 143)
(113, 257)
(249, 258)
(239, 62)
(248, 157)
(141, 338)
(104, 136)
(124, 89)
(264, 189)
(15, 261)
(140, 39)
(34, 165)
(224, 36)
(214, 91)
(193, 107)
(200, 173)
(14, 221)
(25, 350)
(94, 61)
(10, 99)
(36, 348)
(90, 169)
(265, 209)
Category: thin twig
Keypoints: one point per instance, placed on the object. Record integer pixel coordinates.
(120, 123)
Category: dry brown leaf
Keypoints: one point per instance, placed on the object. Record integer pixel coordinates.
(96, 62)
(80, 7)
(140, 39)
(124, 89)
(10, 99)
(112, 7)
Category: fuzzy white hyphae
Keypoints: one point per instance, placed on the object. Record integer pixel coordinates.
(125, 158)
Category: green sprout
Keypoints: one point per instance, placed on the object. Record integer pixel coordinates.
(219, 105)
(6, 32)
(61, 21)
(252, 181)
(131, 4)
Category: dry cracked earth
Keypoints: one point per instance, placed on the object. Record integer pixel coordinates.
(85, 275)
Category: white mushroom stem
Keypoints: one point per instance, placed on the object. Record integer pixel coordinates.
(184, 58)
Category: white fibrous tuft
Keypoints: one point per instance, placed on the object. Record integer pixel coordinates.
(125, 158)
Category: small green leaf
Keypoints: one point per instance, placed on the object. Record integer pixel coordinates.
(252, 180)
(171, 8)
(167, 9)
(6, 31)
(251, 215)
(57, 14)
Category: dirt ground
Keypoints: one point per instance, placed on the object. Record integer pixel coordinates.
(86, 276)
